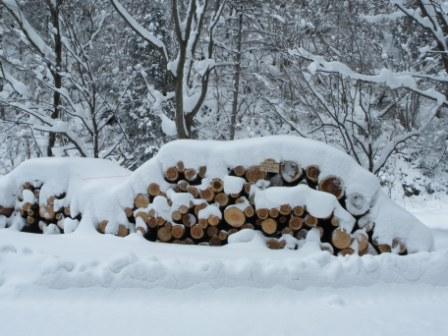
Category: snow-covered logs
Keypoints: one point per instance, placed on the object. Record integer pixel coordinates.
(288, 190)
(282, 200)
(49, 195)
(34, 215)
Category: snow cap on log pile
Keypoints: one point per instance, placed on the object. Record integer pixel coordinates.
(360, 185)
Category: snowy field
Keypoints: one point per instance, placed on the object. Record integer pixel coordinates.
(104, 285)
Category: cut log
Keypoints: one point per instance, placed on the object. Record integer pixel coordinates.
(194, 191)
(335, 221)
(160, 221)
(171, 174)
(234, 216)
(366, 223)
(43, 212)
(275, 244)
(123, 231)
(239, 171)
(30, 220)
(180, 166)
(346, 252)
(203, 223)
(176, 216)
(213, 220)
(223, 235)
(290, 172)
(254, 173)
(341, 239)
(202, 172)
(212, 231)
(222, 199)
(246, 188)
(67, 212)
(273, 213)
(128, 211)
(249, 211)
(208, 194)
(269, 226)
(283, 220)
(362, 240)
(23, 213)
(153, 189)
(311, 221)
(152, 223)
(298, 211)
(285, 209)
(7, 212)
(270, 166)
(262, 213)
(384, 248)
(215, 241)
(357, 204)
(183, 209)
(217, 185)
(189, 219)
(295, 223)
(312, 174)
(190, 174)
(178, 231)
(332, 185)
(141, 201)
(164, 233)
(102, 226)
(182, 186)
(26, 207)
(301, 234)
(197, 232)
(287, 230)
(143, 215)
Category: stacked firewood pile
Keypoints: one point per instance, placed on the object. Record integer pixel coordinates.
(45, 218)
(207, 211)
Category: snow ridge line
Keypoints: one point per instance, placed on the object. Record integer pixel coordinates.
(132, 271)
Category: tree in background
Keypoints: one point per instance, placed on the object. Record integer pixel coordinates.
(189, 64)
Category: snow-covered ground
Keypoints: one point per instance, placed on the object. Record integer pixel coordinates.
(104, 285)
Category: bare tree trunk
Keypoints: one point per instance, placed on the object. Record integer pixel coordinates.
(57, 79)
(237, 74)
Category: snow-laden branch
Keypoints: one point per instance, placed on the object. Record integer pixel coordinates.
(157, 99)
(32, 36)
(428, 22)
(16, 85)
(391, 79)
(140, 30)
(50, 125)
